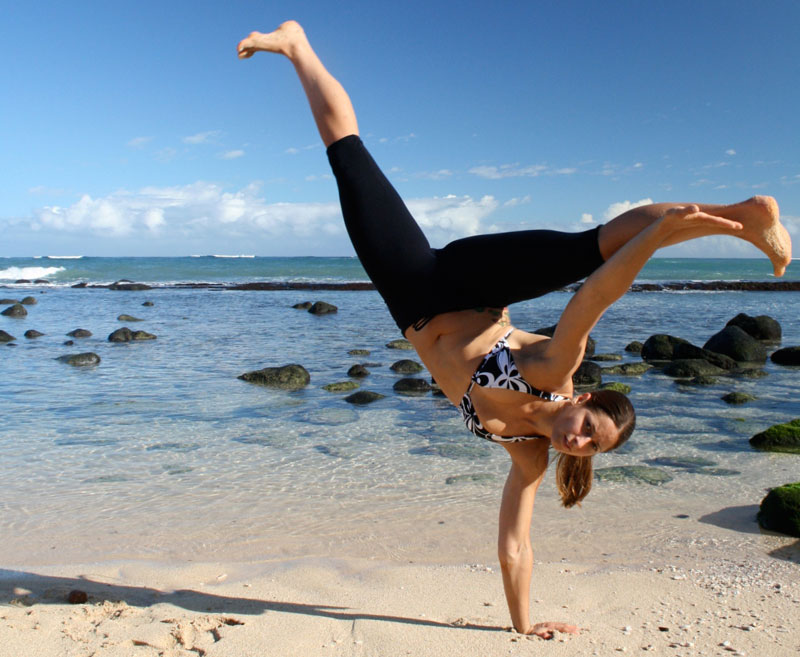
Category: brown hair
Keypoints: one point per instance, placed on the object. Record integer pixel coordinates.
(574, 473)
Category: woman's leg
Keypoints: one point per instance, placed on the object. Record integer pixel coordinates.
(759, 217)
(390, 245)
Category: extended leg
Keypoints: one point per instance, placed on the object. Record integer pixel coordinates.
(759, 217)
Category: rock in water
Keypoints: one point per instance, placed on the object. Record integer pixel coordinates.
(142, 335)
(602, 358)
(779, 438)
(359, 352)
(128, 318)
(628, 369)
(587, 375)
(287, 377)
(80, 333)
(33, 333)
(400, 343)
(363, 397)
(304, 305)
(341, 386)
(323, 308)
(6, 302)
(639, 474)
(634, 347)
(692, 367)
(358, 371)
(6, 337)
(148, 303)
(128, 286)
(780, 510)
(80, 360)
(411, 386)
(661, 346)
(762, 327)
(737, 398)
(29, 301)
(734, 342)
(17, 310)
(786, 356)
(689, 351)
(406, 366)
(616, 386)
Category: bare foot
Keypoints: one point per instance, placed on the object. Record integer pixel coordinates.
(760, 218)
(284, 40)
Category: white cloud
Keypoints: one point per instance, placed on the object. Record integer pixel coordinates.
(513, 202)
(730, 151)
(616, 209)
(138, 142)
(232, 155)
(508, 171)
(202, 137)
(441, 174)
(450, 217)
(586, 218)
(565, 171)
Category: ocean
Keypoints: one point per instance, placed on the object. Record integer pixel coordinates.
(161, 452)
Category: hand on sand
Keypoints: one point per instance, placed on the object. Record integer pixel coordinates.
(690, 216)
(548, 630)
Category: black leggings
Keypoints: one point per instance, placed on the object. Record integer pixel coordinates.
(418, 282)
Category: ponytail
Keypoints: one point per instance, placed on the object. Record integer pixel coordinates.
(573, 478)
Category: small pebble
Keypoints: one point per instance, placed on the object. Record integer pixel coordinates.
(77, 597)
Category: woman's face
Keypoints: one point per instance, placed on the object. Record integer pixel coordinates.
(581, 431)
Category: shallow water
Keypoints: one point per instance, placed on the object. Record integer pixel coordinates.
(161, 450)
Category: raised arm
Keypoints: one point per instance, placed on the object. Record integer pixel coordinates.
(564, 352)
(528, 464)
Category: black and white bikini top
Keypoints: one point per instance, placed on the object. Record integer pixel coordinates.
(498, 370)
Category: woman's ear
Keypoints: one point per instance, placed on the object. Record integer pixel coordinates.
(582, 399)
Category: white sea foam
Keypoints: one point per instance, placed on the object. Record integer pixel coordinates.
(63, 257)
(232, 256)
(29, 273)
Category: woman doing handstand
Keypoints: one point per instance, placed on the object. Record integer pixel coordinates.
(512, 387)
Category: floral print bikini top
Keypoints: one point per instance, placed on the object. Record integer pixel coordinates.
(498, 370)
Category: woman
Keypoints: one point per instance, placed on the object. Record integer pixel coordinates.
(513, 387)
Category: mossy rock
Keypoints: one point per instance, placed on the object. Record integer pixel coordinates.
(304, 305)
(692, 367)
(6, 337)
(703, 380)
(128, 318)
(737, 398)
(470, 478)
(80, 333)
(628, 369)
(323, 308)
(341, 386)
(779, 438)
(358, 371)
(142, 335)
(286, 377)
(400, 343)
(29, 301)
(605, 357)
(638, 474)
(780, 510)
(17, 310)
(616, 386)
(359, 352)
(87, 359)
(752, 373)
(5, 302)
(148, 304)
(406, 366)
(32, 334)
(363, 397)
(412, 386)
(634, 347)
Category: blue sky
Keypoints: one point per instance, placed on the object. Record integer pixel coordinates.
(133, 129)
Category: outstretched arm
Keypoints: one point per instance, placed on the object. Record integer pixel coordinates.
(608, 283)
(529, 462)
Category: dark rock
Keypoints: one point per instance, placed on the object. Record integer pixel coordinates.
(400, 343)
(21, 281)
(77, 597)
(6, 337)
(41, 281)
(624, 388)
(358, 371)
(661, 346)
(762, 327)
(80, 333)
(29, 301)
(702, 380)
(406, 366)
(79, 285)
(689, 351)
(17, 310)
(142, 335)
(128, 286)
(69, 343)
(786, 356)
(470, 478)
(588, 374)
(734, 342)
(123, 334)
(737, 398)
(305, 305)
(780, 510)
(128, 318)
(5, 302)
(628, 369)
(80, 360)
(779, 438)
(341, 386)
(411, 386)
(549, 331)
(148, 303)
(287, 377)
(751, 374)
(605, 357)
(363, 397)
(33, 333)
(359, 352)
(638, 474)
(691, 367)
(323, 308)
